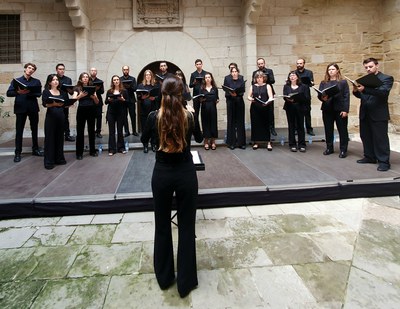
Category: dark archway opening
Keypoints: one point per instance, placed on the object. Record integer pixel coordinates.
(155, 68)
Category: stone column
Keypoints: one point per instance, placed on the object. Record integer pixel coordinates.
(80, 21)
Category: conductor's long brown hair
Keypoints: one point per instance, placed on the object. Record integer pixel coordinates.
(172, 118)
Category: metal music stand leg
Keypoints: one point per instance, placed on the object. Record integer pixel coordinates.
(172, 219)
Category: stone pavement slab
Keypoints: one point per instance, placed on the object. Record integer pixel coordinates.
(338, 254)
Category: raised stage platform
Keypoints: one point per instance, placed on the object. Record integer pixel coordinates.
(121, 183)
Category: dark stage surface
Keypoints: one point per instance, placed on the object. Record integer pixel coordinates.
(121, 183)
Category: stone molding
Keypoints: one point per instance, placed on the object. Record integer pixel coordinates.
(252, 11)
(76, 12)
(157, 13)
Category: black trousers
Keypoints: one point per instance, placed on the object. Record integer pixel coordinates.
(85, 114)
(235, 132)
(99, 117)
(180, 178)
(307, 118)
(20, 125)
(295, 114)
(54, 136)
(271, 115)
(131, 111)
(329, 118)
(67, 131)
(196, 107)
(375, 139)
(115, 119)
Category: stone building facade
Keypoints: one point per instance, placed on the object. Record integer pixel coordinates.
(108, 34)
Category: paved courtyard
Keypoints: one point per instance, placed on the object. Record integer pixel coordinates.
(332, 254)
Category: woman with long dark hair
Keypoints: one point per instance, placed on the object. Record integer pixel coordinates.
(209, 118)
(86, 113)
(174, 172)
(116, 97)
(335, 108)
(235, 131)
(54, 100)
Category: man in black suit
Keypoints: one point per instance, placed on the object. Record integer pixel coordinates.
(374, 117)
(65, 80)
(307, 78)
(130, 85)
(99, 92)
(26, 90)
(195, 83)
(270, 80)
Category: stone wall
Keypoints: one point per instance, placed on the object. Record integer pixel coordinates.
(345, 32)
(217, 31)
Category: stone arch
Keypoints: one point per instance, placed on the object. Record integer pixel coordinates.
(147, 47)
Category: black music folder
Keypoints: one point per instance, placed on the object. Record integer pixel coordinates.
(329, 91)
(20, 85)
(89, 89)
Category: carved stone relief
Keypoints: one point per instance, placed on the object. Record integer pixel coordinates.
(157, 13)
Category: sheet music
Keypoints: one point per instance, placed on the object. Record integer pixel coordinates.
(196, 157)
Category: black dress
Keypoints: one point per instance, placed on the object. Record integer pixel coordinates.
(54, 130)
(209, 121)
(259, 115)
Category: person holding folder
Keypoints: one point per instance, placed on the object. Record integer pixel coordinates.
(116, 97)
(335, 96)
(147, 96)
(307, 78)
(209, 118)
(260, 95)
(55, 101)
(26, 90)
(296, 96)
(196, 80)
(234, 86)
(374, 116)
(174, 174)
(85, 93)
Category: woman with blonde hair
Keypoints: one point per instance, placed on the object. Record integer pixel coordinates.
(174, 173)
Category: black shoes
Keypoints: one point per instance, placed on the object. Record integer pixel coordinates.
(311, 132)
(366, 160)
(37, 153)
(383, 167)
(17, 158)
(98, 135)
(153, 148)
(49, 167)
(79, 157)
(146, 149)
(342, 154)
(69, 138)
(231, 147)
(328, 151)
(135, 134)
(94, 154)
(273, 132)
(61, 162)
(127, 134)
